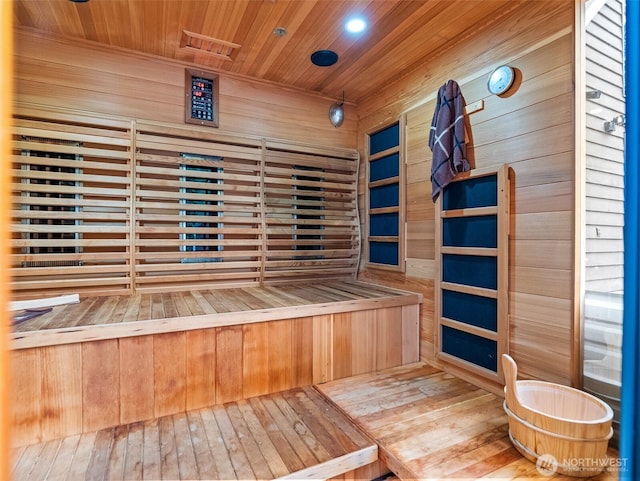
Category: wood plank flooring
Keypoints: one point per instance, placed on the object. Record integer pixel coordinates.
(295, 434)
(431, 425)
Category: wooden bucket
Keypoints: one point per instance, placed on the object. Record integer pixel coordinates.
(565, 426)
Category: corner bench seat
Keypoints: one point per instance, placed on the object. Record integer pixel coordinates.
(116, 360)
(295, 434)
(110, 317)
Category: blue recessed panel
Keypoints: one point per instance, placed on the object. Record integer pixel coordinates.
(384, 168)
(383, 224)
(473, 310)
(384, 139)
(474, 349)
(469, 193)
(478, 271)
(383, 253)
(384, 196)
(476, 231)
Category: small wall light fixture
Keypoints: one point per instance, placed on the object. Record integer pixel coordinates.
(336, 113)
(593, 94)
(618, 120)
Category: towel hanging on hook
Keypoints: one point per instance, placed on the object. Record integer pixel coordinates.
(447, 138)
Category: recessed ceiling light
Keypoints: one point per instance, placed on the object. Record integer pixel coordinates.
(355, 25)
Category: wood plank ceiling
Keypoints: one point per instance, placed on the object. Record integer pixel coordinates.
(402, 34)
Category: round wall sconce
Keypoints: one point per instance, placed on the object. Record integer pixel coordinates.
(336, 113)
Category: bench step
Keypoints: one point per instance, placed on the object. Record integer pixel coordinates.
(294, 434)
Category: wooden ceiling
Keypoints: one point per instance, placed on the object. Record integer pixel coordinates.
(402, 34)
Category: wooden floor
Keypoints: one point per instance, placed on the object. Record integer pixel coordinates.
(420, 422)
(293, 435)
(431, 425)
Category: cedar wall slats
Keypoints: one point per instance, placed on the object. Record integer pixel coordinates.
(311, 199)
(184, 207)
(72, 205)
(532, 129)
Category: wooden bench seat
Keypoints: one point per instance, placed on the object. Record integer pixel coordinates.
(111, 361)
(295, 434)
(110, 317)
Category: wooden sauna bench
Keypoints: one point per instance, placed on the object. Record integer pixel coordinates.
(296, 434)
(96, 318)
(111, 361)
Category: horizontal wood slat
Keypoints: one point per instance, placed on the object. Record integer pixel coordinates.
(72, 206)
(146, 206)
(309, 204)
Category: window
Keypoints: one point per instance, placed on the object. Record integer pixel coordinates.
(385, 237)
(202, 228)
(604, 194)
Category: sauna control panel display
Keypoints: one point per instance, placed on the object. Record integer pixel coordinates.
(201, 98)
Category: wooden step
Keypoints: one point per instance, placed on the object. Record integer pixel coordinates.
(294, 434)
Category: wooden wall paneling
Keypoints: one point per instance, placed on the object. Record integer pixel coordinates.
(410, 318)
(100, 384)
(531, 143)
(26, 397)
(426, 309)
(526, 344)
(201, 368)
(170, 373)
(365, 339)
(322, 348)
(137, 382)
(61, 402)
(302, 351)
(389, 339)
(110, 85)
(255, 361)
(229, 364)
(344, 343)
(279, 351)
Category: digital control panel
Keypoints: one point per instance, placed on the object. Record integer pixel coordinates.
(201, 103)
(201, 98)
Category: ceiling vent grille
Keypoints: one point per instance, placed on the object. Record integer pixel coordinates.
(208, 45)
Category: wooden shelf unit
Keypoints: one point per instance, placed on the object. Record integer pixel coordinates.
(471, 286)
